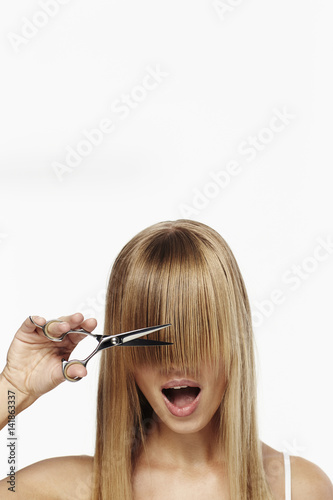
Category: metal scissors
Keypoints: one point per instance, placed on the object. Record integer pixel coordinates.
(131, 338)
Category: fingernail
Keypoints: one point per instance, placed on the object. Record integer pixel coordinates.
(37, 319)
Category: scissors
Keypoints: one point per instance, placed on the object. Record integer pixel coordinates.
(131, 338)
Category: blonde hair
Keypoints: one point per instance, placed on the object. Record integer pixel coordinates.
(184, 273)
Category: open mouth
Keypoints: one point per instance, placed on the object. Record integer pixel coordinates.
(181, 400)
(182, 395)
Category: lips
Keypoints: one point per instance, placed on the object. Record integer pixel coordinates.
(181, 396)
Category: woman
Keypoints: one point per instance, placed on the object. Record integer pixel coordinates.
(174, 421)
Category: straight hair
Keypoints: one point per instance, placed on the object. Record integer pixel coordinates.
(184, 273)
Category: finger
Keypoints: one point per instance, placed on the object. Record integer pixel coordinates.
(74, 320)
(89, 324)
(29, 327)
(57, 329)
(76, 370)
(64, 324)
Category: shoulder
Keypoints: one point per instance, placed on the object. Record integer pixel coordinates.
(54, 478)
(308, 481)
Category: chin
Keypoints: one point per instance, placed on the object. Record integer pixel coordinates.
(185, 425)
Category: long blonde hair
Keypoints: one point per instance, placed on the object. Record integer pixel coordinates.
(184, 273)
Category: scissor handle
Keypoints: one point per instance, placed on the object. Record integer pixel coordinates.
(67, 364)
(48, 335)
(45, 329)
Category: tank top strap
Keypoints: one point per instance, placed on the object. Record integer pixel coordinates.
(287, 476)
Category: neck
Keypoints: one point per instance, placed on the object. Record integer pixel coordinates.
(181, 450)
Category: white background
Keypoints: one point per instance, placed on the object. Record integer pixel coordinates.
(226, 74)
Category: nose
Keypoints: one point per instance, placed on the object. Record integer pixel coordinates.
(177, 371)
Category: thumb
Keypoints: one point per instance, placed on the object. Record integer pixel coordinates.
(75, 369)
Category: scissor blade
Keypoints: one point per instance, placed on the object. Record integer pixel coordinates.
(136, 334)
(145, 342)
(127, 337)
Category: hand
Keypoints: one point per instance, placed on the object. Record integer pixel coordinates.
(34, 362)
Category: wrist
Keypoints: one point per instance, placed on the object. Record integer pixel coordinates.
(21, 399)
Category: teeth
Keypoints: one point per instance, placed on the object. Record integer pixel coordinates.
(180, 387)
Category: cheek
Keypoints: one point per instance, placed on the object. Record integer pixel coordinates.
(218, 389)
(144, 379)
(219, 393)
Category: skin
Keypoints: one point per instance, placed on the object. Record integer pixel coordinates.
(170, 427)
(182, 460)
(181, 451)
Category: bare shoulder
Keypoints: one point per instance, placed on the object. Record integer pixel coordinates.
(54, 478)
(308, 481)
